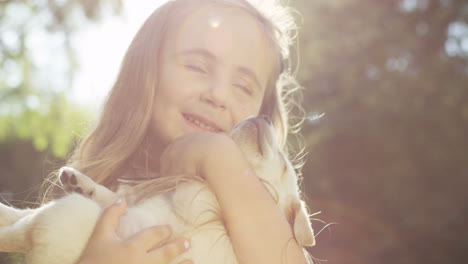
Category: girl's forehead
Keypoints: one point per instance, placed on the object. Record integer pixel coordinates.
(230, 35)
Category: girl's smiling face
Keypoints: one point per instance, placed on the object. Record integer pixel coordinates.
(213, 72)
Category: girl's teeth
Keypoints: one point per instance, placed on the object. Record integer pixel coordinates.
(203, 125)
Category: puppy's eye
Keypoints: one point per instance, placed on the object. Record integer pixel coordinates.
(285, 171)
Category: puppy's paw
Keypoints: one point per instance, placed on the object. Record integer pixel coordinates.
(74, 181)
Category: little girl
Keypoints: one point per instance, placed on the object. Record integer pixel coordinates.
(194, 66)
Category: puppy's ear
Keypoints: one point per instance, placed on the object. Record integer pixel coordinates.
(300, 223)
(12, 247)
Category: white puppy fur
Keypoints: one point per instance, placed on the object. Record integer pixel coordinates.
(57, 232)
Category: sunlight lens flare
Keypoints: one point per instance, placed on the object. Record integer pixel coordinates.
(215, 22)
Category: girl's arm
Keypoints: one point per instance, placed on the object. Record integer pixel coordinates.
(258, 229)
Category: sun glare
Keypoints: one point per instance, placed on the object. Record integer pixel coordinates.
(100, 48)
(215, 22)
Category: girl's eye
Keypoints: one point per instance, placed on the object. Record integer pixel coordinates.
(244, 88)
(196, 68)
(243, 85)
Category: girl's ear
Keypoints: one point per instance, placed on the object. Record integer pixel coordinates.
(301, 225)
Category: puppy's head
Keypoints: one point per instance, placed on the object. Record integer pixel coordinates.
(257, 140)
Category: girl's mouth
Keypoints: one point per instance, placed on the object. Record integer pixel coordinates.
(201, 124)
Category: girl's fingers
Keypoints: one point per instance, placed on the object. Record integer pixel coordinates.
(147, 246)
(150, 237)
(186, 262)
(110, 218)
(169, 251)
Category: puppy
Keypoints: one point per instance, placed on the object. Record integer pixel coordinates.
(56, 233)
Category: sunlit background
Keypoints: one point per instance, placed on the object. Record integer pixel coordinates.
(386, 95)
(100, 48)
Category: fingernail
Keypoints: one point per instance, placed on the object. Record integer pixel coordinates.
(186, 244)
(118, 201)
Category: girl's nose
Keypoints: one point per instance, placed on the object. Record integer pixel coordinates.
(216, 95)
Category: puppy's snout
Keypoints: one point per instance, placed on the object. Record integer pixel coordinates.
(266, 119)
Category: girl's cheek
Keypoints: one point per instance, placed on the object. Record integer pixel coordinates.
(245, 110)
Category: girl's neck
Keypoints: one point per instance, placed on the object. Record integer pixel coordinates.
(145, 163)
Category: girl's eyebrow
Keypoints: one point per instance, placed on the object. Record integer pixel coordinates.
(201, 52)
(208, 55)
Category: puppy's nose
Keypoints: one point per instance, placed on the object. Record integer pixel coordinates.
(266, 118)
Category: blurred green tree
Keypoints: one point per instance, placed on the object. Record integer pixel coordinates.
(388, 159)
(34, 81)
(38, 121)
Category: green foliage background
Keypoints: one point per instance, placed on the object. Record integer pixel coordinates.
(388, 159)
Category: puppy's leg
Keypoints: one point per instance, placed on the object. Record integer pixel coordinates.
(61, 230)
(9, 215)
(75, 181)
(55, 233)
(13, 227)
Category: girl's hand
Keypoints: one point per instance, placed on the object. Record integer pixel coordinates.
(149, 246)
(192, 153)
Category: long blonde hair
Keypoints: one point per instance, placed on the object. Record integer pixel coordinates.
(123, 128)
